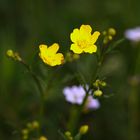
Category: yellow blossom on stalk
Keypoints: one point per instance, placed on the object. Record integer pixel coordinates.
(50, 56)
(43, 138)
(83, 129)
(83, 40)
(35, 124)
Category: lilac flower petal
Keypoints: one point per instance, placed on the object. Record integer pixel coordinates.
(74, 94)
(133, 34)
(92, 103)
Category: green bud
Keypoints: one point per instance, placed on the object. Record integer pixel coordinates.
(43, 138)
(29, 125)
(17, 57)
(13, 55)
(76, 56)
(111, 31)
(83, 129)
(25, 137)
(103, 83)
(97, 92)
(106, 40)
(96, 83)
(68, 133)
(110, 37)
(25, 131)
(69, 57)
(35, 124)
(10, 53)
(104, 33)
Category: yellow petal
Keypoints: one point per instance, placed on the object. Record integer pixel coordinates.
(43, 48)
(75, 48)
(95, 36)
(74, 36)
(59, 58)
(52, 49)
(86, 28)
(91, 49)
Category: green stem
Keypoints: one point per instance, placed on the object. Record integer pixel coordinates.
(75, 115)
(133, 101)
(133, 114)
(76, 111)
(37, 81)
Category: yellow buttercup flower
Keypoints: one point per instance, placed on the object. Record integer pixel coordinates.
(50, 56)
(83, 40)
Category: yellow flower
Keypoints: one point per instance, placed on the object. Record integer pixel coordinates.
(50, 56)
(83, 40)
(83, 129)
(43, 138)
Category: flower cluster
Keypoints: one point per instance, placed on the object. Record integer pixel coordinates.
(108, 35)
(30, 128)
(83, 42)
(76, 95)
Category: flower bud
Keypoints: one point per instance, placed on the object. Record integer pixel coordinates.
(13, 55)
(76, 56)
(25, 131)
(35, 124)
(83, 129)
(104, 33)
(103, 83)
(111, 31)
(43, 138)
(97, 92)
(29, 125)
(25, 137)
(68, 135)
(110, 37)
(10, 53)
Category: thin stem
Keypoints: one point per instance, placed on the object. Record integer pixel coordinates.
(76, 111)
(133, 101)
(37, 81)
(75, 115)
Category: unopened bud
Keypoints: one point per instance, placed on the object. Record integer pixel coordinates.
(35, 124)
(98, 92)
(43, 138)
(76, 56)
(25, 131)
(103, 83)
(110, 37)
(111, 31)
(10, 53)
(29, 125)
(25, 137)
(83, 129)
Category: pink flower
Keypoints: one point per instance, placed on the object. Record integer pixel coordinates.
(76, 95)
(133, 34)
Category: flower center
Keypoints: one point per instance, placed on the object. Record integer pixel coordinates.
(82, 43)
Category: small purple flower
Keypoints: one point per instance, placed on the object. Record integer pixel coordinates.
(76, 94)
(133, 34)
(92, 103)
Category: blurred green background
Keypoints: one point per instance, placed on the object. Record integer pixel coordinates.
(27, 23)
